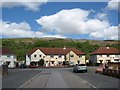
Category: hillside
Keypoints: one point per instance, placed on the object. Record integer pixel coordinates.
(22, 45)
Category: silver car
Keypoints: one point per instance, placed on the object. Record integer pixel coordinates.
(80, 67)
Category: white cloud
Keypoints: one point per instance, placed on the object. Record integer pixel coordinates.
(102, 16)
(22, 29)
(108, 33)
(64, 21)
(76, 21)
(55, 36)
(33, 5)
(113, 5)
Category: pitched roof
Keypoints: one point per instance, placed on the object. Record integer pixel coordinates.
(56, 51)
(106, 50)
(6, 51)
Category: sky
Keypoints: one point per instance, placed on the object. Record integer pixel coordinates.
(76, 20)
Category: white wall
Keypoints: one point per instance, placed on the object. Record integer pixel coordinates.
(31, 58)
(56, 58)
(75, 58)
(27, 60)
(37, 53)
(97, 58)
(11, 58)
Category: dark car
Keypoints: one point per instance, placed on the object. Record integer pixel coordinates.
(23, 66)
(80, 68)
(32, 66)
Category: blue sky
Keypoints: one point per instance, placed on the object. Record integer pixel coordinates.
(48, 20)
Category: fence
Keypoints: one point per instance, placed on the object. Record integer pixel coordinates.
(113, 73)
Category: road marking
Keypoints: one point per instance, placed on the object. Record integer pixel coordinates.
(92, 86)
(28, 81)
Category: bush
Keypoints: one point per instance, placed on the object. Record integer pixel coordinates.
(41, 62)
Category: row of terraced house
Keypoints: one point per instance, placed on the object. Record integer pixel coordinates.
(57, 56)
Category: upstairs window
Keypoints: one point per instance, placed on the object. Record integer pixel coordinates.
(100, 55)
(8, 55)
(108, 55)
(52, 56)
(117, 56)
(40, 55)
(71, 55)
(35, 55)
(80, 56)
(60, 56)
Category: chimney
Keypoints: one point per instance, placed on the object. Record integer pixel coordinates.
(107, 47)
(64, 47)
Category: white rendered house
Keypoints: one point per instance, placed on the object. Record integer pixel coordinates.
(7, 56)
(55, 56)
(105, 54)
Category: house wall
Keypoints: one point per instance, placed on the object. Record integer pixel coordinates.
(27, 60)
(55, 58)
(105, 58)
(75, 59)
(37, 58)
(93, 58)
(8, 58)
(97, 58)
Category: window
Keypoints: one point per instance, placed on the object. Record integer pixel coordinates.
(8, 55)
(108, 55)
(59, 62)
(80, 56)
(116, 60)
(43, 56)
(108, 60)
(28, 55)
(71, 55)
(40, 55)
(60, 56)
(100, 55)
(116, 55)
(7, 62)
(52, 62)
(101, 61)
(51, 56)
(35, 55)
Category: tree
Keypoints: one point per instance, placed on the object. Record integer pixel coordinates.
(41, 62)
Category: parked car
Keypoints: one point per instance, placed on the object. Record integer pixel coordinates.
(80, 68)
(23, 66)
(32, 66)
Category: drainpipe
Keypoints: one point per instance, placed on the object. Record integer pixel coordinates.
(69, 57)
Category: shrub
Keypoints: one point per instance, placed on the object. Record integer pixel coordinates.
(41, 62)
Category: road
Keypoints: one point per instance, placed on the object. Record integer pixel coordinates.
(57, 78)
(98, 80)
(16, 77)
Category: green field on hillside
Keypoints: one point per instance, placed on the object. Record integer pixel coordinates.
(22, 45)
